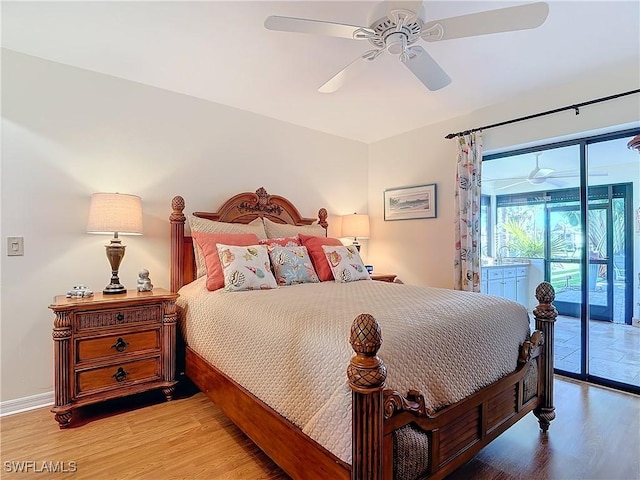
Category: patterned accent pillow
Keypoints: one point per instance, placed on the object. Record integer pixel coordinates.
(279, 230)
(207, 243)
(314, 247)
(282, 242)
(346, 264)
(292, 265)
(202, 225)
(246, 268)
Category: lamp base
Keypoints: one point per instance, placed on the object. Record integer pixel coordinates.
(115, 252)
(114, 289)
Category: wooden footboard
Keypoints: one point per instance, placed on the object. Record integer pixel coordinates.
(458, 432)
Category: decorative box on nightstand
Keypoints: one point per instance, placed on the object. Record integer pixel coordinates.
(108, 346)
(383, 277)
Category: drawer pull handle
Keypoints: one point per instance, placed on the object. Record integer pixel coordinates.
(120, 345)
(120, 375)
(120, 317)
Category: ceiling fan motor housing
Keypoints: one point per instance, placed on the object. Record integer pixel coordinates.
(395, 39)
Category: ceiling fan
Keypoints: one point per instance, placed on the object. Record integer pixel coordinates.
(539, 175)
(397, 26)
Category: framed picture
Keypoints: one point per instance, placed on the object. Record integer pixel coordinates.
(406, 203)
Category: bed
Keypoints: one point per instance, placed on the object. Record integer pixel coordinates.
(398, 425)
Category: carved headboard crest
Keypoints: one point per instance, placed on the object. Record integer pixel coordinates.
(262, 204)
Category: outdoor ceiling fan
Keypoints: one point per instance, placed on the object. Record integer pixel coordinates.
(395, 27)
(539, 175)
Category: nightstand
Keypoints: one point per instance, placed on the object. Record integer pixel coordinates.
(383, 277)
(108, 346)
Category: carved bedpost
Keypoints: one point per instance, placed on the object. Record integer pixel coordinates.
(545, 314)
(366, 374)
(177, 220)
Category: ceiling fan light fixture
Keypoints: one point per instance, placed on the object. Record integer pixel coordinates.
(396, 43)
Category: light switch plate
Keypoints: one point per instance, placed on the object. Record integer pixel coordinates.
(15, 246)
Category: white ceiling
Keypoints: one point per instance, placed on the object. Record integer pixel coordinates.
(220, 51)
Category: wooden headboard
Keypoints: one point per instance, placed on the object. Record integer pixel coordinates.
(242, 208)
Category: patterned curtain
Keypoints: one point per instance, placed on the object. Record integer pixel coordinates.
(467, 211)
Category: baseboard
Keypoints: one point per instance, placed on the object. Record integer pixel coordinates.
(26, 403)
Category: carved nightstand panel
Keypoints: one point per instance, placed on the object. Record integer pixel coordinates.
(108, 346)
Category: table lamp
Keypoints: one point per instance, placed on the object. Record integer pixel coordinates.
(356, 226)
(115, 213)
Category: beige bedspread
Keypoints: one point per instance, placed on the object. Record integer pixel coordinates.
(444, 343)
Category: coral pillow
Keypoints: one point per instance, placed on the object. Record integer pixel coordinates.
(318, 258)
(281, 242)
(207, 243)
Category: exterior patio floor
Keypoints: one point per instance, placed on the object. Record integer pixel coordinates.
(614, 349)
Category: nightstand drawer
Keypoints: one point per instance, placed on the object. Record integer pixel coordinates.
(117, 375)
(115, 317)
(117, 345)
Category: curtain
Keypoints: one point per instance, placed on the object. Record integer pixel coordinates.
(467, 211)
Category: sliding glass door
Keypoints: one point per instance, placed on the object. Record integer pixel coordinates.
(565, 213)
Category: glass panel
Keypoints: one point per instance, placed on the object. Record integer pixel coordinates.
(620, 313)
(565, 237)
(566, 279)
(614, 345)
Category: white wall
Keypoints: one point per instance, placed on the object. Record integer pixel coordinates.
(421, 251)
(67, 133)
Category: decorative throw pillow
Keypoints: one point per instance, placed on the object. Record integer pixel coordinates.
(282, 242)
(314, 247)
(246, 268)
(207, 243)
(292, 265)
(346, 264)
(279, 230)
(202, 225)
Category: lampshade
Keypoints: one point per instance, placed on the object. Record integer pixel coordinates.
(355, 225)
(115, 212)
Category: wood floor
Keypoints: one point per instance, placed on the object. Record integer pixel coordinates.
(596, 435)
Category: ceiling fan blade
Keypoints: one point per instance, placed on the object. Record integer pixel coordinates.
(555, 183)
(423, 66)
(347, 73)
(576, 174)
(510, 185)
(303, 25)
(508, 19)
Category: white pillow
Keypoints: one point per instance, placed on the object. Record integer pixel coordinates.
(197, 224)
(245, 268)
(278, 230)
(345, 263)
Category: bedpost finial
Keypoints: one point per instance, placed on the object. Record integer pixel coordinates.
(545, 293)
(366, 336)
(177, 204)
(545, 309)
(322, 217)
(366, 372)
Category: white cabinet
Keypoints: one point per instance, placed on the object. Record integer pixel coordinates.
(508, 281)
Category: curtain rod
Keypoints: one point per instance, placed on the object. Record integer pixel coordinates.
(575, 107)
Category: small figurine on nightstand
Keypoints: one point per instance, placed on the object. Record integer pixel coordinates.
(79, 291)
(144, 282)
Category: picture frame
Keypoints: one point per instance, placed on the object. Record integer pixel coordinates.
(412, 202)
